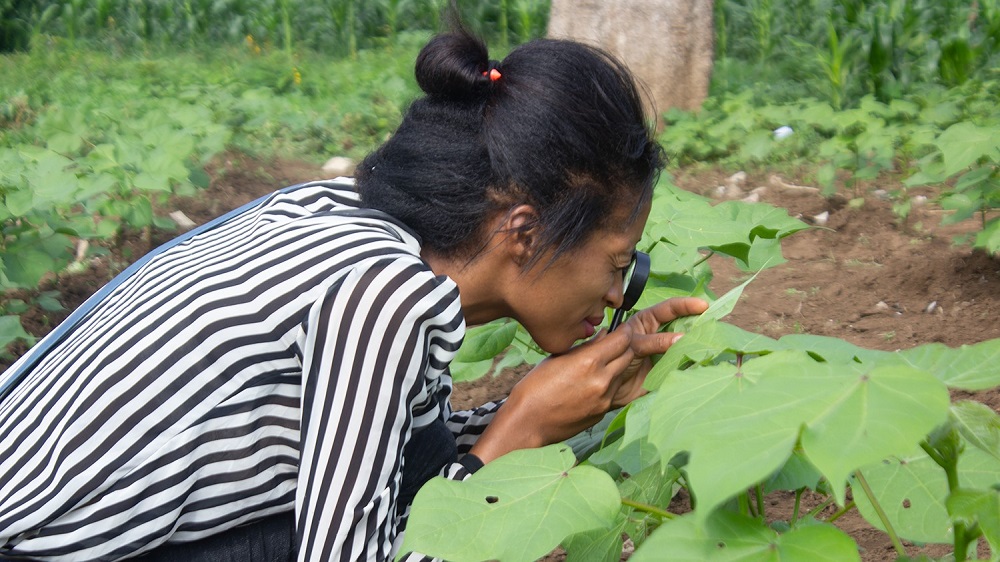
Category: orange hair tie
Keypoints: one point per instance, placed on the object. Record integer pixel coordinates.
(494, 74)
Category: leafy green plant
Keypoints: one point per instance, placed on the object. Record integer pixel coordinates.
(731, 417)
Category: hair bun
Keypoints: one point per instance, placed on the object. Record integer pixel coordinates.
(452, 65)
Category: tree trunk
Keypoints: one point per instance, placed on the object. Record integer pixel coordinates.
(668, 44)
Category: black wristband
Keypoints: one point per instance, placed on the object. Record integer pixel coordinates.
(471, 463)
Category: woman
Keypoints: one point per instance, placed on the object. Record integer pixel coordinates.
(287, 366)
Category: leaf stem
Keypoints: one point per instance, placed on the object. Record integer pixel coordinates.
(744, 502)
(881, 514)
(840, 512)
(647, 508)
(704, 259)
(815, 511)
(759, 492)
(795, 510)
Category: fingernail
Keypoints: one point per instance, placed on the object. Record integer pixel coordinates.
(677, 337)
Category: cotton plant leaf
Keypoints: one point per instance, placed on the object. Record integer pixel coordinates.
(737, 425)
(518, 507)
(829, 349)
(968, 367)
(741, 424)
(879, 412)
(979, 507)
(732, 537)
(964, 143)
(11, 330)
(911, 489)
(600, 545)
(705, 342)
(486, 341)
(797, 473)
(978, 424)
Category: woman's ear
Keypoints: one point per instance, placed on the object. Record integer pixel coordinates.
(521, 233)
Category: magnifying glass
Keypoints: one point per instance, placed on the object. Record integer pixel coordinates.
(635, 281)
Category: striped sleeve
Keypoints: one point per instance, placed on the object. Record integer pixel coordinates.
(369, 348)
(468, 425)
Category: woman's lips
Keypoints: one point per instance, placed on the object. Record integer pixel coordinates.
(591, 323)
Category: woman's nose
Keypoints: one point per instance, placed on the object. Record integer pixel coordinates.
(616, 293)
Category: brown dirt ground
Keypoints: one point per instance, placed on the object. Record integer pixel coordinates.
(866, 278)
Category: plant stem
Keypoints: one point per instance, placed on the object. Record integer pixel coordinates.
(962, 535)
(815, 511)
(881, 514)
(744, 501)
(795, 510)
(699, 262)
(759, 492)
(840, 512)
(647, 508)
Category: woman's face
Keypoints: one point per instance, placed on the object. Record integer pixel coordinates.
(566, 301)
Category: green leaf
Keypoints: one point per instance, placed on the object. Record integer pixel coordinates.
(830, 349)
(530, 500)
(978, 424)
(969, 367)
(731, 537)
(911, 490)
(705, 342)
(147, 181)
(466, 372)
(741, 424)
(963, 144)
(601, 545)
(486, 341)
(11, 330)
(884, 411)
(989, 238)
(25, 266)
(797, 473)
(978, 506)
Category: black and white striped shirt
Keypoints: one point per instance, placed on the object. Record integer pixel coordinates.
(276, 360)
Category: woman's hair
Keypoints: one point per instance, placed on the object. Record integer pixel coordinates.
(562, 129)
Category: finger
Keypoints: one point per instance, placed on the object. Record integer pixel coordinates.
(645, 345)
(609, 346)
(671, 309)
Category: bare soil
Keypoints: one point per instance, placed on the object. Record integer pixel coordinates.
(865, 277)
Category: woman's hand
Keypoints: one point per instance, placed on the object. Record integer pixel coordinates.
(565, 394)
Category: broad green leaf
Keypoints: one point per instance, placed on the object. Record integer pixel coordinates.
(738, 424)
(486, 341)
(989, 237)
(978, 424)
(632, 453)
(969, 367)
(149, 181)
(705, 342)
(529, 500)
(601, 545)
(962, 144)
(911, 490)
(883, 411)
(464, 371)
(980, 507)
(25, 266)
(11, 330)
(832, 350)
(731, 537)
(978, 469)
(797, 473)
